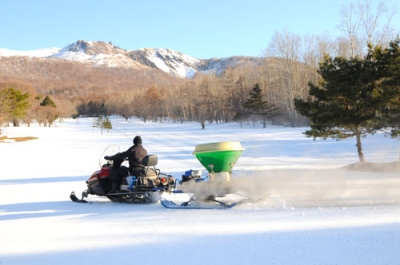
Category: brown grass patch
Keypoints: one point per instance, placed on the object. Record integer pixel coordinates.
(5, 139)
(374, 167)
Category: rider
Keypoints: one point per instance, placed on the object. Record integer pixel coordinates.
(135, 155)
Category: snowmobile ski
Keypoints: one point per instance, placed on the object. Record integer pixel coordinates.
(75, 199)
(197, 205)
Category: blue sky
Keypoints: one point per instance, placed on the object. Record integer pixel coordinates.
(200, 28)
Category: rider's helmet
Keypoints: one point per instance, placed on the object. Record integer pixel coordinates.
(137, 140)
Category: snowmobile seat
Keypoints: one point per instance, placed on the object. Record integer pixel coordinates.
(150, 161)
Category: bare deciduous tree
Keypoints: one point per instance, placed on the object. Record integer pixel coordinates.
(363, 23)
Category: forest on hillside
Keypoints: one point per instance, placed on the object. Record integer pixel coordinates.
(46, 90)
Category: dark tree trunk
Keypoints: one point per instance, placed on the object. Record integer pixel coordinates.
(359, 146)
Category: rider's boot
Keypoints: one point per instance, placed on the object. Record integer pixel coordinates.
(114, 188)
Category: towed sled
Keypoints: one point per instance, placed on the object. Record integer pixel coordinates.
(144, 188)
(216, 190)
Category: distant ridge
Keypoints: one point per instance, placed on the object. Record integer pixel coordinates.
(99, 53)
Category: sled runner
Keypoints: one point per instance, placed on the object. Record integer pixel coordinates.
(196, 205)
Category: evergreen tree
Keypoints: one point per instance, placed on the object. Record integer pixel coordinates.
(107, 124)
(102, 123)
(47, 101)
(47, 113)
(13, 105)
(258, 107)
(388, 61)
(351, 99)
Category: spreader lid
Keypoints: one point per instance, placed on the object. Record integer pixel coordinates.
(220, 146)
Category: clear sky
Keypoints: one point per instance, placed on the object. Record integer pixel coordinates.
(200, 28)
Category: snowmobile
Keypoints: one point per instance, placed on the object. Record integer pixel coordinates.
(215, 191)
(144, 188)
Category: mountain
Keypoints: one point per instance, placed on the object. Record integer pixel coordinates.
(169, 61)
(99, 53)
(219, 65)
(41, 53)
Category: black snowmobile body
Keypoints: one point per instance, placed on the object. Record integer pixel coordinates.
(146, 187)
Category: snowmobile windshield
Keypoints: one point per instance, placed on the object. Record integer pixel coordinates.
(109, 151)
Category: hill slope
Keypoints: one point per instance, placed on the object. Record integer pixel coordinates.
(99, 53)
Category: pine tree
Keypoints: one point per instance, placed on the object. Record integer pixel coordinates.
(47, 101)
(13, 105)
(258, 107)
(107, 124)
(102, 123)
(351, 99)
(388, 62)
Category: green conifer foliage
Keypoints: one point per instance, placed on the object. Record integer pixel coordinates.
(258, 107)
(13, 105)
(47, 101)
(355, 97)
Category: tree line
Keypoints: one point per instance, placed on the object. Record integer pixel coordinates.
(288, 65)
(24, 105)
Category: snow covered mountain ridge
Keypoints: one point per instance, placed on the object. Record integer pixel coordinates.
(100, 53)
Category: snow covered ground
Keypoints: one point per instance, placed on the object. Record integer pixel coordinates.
(312, 211)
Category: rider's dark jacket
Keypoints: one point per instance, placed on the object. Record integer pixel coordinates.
(135, 155)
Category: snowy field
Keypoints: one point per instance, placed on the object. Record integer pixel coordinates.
(312, 211)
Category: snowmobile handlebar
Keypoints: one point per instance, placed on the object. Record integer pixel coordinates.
(113, 158)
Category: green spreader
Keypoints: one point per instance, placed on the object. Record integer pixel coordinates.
(219, 157)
